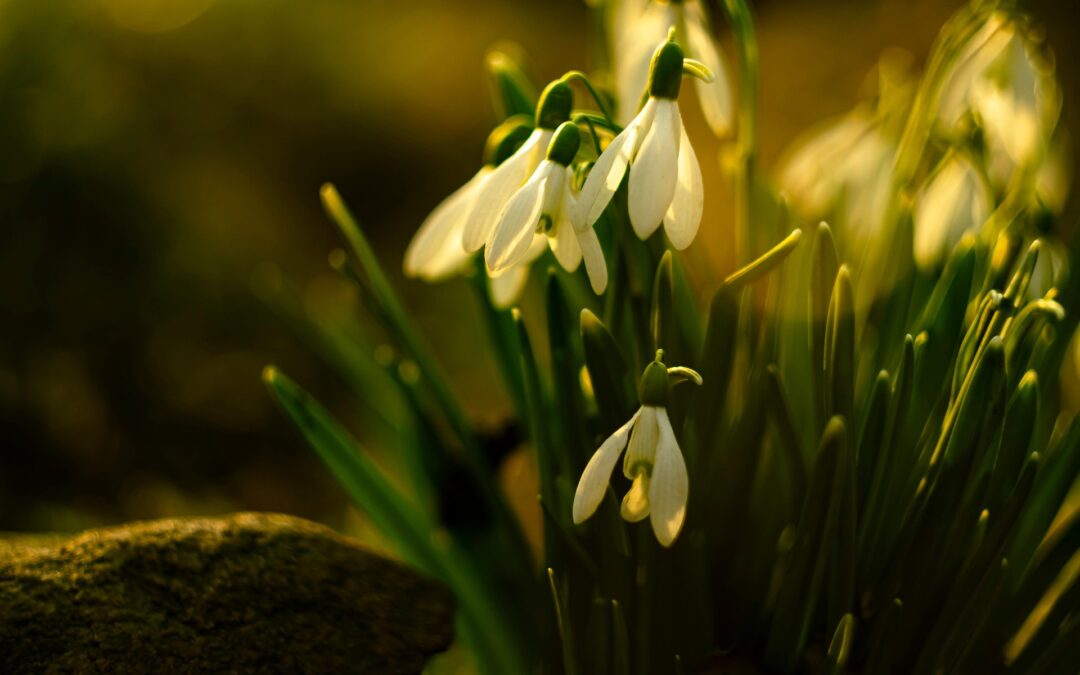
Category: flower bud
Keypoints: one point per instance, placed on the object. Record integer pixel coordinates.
(653, 387)
(555, 104)
(564, 145)
(665, 73)
(506, 138)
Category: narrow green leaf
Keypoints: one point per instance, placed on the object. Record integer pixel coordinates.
(512, 90)
(824, 267)
(802, 586)
(562, 618)
(840, 347)
(717, 359)
(567, 399)
(398, 321)
(766, 263)
(790, 447)
(661, 319)
(872, 438)
(612, 383)
(841, 647)
(1021, 414)
(1062, 466)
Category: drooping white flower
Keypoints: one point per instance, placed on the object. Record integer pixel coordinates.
(665, 178)
(1005, 86)
(499, 185)
(542, 210)
(653, 461)
(637, 27)
(955, 200)
(842, 173)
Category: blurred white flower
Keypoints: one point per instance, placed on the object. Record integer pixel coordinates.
(1001, 81)
(665, 178)
(955, 200)
(637, 27)
(541, 210)
(842, 173)
(436, 251)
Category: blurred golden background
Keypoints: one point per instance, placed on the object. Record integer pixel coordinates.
(156, 156)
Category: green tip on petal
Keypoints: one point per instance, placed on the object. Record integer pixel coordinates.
(665, 73)
(555, 104)
(564, 144)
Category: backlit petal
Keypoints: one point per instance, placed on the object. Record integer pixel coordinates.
(669, 486)
(597, 475)
(499, 186)
(715, 96)
(635, 504)
(506, 287)
(684, 215)
(639, 456)
(655, 170)
(595, 266)
(608, 171)
(436, 251)
(517, 224)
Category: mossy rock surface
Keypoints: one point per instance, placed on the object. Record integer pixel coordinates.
(250, 592)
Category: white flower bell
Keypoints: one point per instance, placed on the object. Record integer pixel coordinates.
(653, 461)
(436, 252)
(955, 201)
(542, 210)
(499, 185)
(665, 178)
(638, 26)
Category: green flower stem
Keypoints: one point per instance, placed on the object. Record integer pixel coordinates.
(397, 319)
(742, 25)
(578, 76)
(398, 322)
(503, 334)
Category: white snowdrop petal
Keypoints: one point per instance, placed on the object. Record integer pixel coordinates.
(954, 202)
(714, 97)
(595, 265)
(604, 179)
(635, 504)
(499, 186)
(564, 239)
(639, 455)
(654, 171)
(517, 223)
(436, 251)
(597, 475)
(684, 215)
(669, 486)
(506, 287)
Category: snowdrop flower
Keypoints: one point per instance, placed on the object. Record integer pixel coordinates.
(638, 26)
(665, 178)
(499, 185)
(999, 79)
(436, 252)
(653, 461)
(542, 209)
(842, 173)
(956, 200)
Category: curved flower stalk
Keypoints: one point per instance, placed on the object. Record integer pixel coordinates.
(1001, 81)
(542, 210)
(665, 178)
(956, 200)
(638, 25)
(653, 461)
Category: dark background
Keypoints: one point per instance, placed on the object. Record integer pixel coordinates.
(156, 156)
